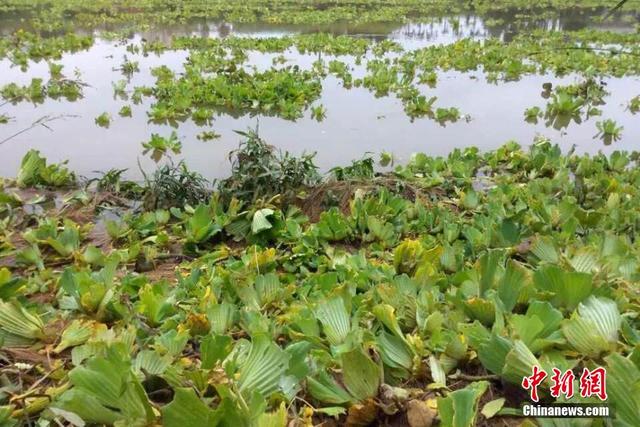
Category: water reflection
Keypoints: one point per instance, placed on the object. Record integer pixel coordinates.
(356, 120)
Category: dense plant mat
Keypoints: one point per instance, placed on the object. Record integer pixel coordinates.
(417, 297)
(52, 15)
(218, 78)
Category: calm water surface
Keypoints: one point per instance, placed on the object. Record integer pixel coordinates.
(356, 122)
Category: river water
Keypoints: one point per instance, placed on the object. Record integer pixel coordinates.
(357, 122)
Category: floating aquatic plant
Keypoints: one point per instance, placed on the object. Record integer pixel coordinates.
(159, 145)
(103, 120)
(608, 131)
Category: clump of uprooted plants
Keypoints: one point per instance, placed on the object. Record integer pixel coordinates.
(417, 306)
(259, 171)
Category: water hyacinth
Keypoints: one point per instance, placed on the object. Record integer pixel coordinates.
(300, 289)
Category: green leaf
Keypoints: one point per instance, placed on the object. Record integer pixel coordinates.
(268, 288)
(396, 354)
(78, 332)
(585, 261)
(437, 372)
(151, 363)
(71, 417)
(569, 288)
(604, 314)
(187, 409)
(381, 230)
(494, 352)
(539, 327)
(513, 280)
(261, 370)
(260, 220)
(527, 328)
(333, 226)
(155, 303)
(87, 407)
(492, 408)
(489, 266)
(221, 317)
(623, 388)
(200, 226)
(332, 411)
(214, 348)
(579, 332)
(386, 314)
(9, 286)
(519, 363)
(544, 248)
(459, 408)
(481, 309)
(360, 374)
(93, 256)
(335, 320)
(327, 390)
(16, 320)
(67, 242)
(5, 416)
(407, 255)
(545, 312)
(298, 365)
(30, 256)
(594, 329)
(274, 419)
(30, 167)
(107, 386)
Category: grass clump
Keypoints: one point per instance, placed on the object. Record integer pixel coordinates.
(174, 185)
(259, 171)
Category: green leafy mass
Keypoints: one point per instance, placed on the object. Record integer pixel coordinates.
(286, 295)
(251, 308)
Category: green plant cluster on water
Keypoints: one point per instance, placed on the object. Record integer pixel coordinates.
(569, 103)
(634, 104)
(609, 131)
(218, 78)
(575, 103)
(34, 171)
(389, 70)
(209, 83)
(38, 91)
(135, 14)
(427, 291)
(24, 46)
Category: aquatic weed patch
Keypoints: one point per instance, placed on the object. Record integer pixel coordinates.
(278, 296)
(376, 309)
(285, 92)
(49, 15)
(391, 70)
(24, 46)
